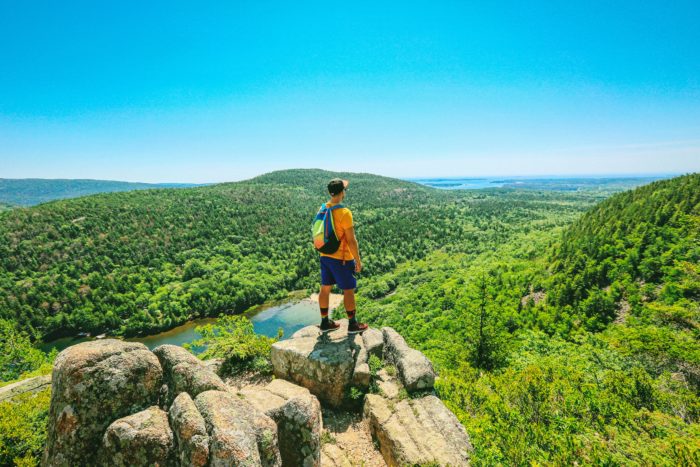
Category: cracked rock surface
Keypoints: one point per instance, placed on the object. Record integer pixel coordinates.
(117, 403)
(324, 363)
(297, 413)
(417, 431)
(94, 384)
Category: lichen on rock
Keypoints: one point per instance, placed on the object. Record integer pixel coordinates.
(117, 403)
(297, 413)
(144, 438)
(239, 434)
(190, 432)
(183, 372)
(321, 362)
(93, 384)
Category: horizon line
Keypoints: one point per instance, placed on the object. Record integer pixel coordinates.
(412, 178)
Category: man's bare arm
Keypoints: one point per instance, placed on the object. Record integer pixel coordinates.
(354, 247)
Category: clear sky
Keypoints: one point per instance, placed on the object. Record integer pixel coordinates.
(207, 92)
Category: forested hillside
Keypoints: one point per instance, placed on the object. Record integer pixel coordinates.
(565, 330)
(31, 191)
(146, 260)
(634, 248)
(574, 346)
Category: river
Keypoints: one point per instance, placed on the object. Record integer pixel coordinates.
(267, 319)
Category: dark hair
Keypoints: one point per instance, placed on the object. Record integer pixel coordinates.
(336, 186)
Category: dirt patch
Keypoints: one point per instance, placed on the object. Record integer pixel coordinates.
(536, 298)
(247, 378)
(623, 311)
(351, 435)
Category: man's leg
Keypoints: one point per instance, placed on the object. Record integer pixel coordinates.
(323, 301)
(349, 302)
(327, 281)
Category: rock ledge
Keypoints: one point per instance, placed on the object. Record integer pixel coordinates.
(117, 403)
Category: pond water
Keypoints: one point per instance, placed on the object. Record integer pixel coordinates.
(267, 319)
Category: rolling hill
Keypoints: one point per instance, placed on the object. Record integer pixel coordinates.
(565, 330)
(573, 345)
(32, 191)
(147, 260)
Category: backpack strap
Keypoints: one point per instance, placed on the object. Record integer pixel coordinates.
(345, 246)
(328, 220)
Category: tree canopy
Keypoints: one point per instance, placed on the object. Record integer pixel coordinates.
(565, 325)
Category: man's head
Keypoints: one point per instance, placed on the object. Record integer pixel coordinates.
(337, 187)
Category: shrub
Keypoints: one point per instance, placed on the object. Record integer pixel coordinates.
(17, 355)
(375, 364)
(327, 437)
(356, 394)
(233, 339)
(23, 428)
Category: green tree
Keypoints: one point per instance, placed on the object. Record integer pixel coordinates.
(17, 355)
(23, 425)
(486, 332)
(234, 339)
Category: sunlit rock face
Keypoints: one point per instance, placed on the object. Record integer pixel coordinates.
(94, 384)
(117, 403)
(323, 363)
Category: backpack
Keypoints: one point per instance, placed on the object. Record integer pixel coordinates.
(323, 230)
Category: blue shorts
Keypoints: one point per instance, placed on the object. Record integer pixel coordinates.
(333, 271)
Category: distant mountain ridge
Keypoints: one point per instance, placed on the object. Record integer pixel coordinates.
(32, 191)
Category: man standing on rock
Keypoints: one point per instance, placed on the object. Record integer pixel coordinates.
(339, 267)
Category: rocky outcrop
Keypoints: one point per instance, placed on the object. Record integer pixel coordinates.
(94, 384)
(415, 370)
(387, 384)
(361, 374)
(417, 431)
(117, 403)
(323, 363)
(298, 416)
(333, 456)
(329, 364)
(190, 432)
(144, 438)
(373, 340)
(239, 434)
(215, 364)
(185, 373)
(411, 425)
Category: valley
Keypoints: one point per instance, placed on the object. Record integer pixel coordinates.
(563, 324)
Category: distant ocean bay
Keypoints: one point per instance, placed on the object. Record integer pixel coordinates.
(562, 183)
(460, 183)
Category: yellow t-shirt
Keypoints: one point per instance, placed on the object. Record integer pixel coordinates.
(342, 219)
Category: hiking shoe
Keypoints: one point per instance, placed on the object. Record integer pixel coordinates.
(330, 326)
(356, 327)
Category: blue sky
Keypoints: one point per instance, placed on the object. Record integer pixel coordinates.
(207, 92)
